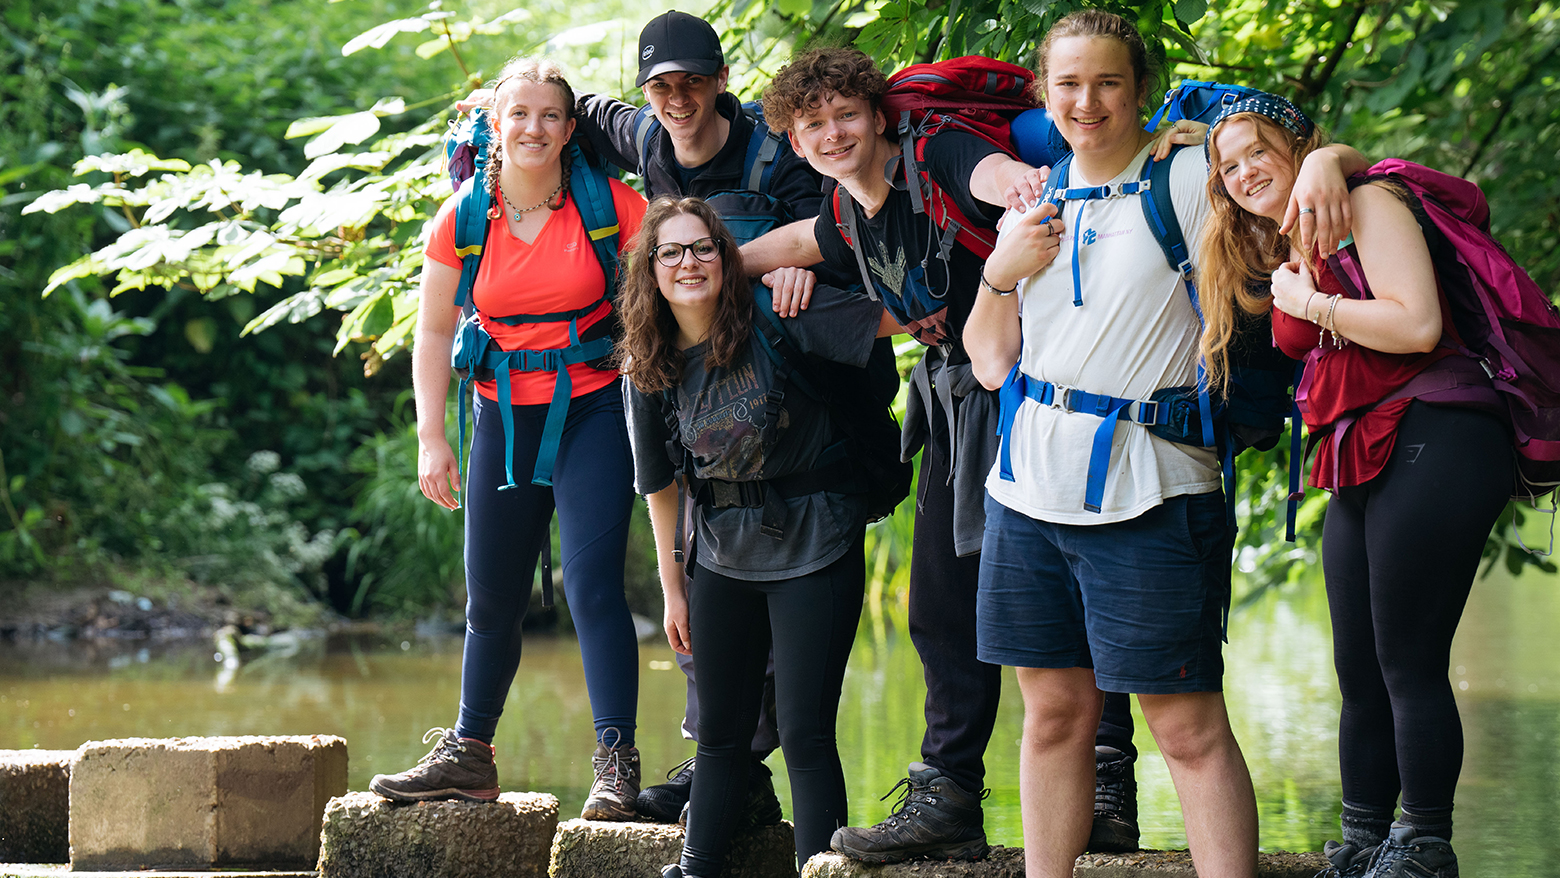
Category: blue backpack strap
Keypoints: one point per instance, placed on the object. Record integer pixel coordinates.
(646, 128)
(592, 192)
(1058, 196)
(758, 165)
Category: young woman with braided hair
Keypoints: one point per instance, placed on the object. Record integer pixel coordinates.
(538, 260)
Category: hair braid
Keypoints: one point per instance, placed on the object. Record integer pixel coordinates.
(563, 184)
(495, 165)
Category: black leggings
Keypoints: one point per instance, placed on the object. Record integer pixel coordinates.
(1400, 553)
(811, 621)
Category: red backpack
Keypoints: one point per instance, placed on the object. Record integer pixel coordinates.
(973, 94)
(1508, 326)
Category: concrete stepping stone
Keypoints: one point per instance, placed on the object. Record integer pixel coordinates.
(1004, 862)
(39, 870)
(366, 836)
(591, 848)
(35, 806)
(140, 803)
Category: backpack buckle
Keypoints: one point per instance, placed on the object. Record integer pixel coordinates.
(1061, 397)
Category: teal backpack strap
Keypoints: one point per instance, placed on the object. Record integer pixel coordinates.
(473, 199)
(592, 192)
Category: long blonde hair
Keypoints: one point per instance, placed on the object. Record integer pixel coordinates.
(1240, 250)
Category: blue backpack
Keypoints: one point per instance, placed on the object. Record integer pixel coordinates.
(1251, 414)
(475, 355)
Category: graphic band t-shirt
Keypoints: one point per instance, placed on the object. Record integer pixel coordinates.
(901, 245)
(556, 272)
(1135, 333)
(722, 415)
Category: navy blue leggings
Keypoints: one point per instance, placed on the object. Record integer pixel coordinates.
(593, 493)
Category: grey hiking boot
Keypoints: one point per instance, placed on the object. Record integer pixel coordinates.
(762, 807)
(1405, 855)
(936, 818)
(1346, 860)
(1115, 829)
(613, 792)
(665, 801)
(456, 768)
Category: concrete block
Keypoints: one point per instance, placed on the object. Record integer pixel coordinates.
(1004, 862)
(366, 836)
(144, 802)
(589, 848)
(35, 806)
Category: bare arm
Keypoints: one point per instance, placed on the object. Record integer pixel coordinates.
(1321, 188)
(663, 521)
(438, 474)
(993, 335)
(793, 245)
(888, 326)
(1405, 315)
(1005, 181)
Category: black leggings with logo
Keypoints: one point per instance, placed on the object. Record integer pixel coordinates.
(811, 621)
(1400, 553)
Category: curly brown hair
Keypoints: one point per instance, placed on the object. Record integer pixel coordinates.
(648, 353)
(801, 84)
(1239, 250)
(1097, 23)
(532, 69)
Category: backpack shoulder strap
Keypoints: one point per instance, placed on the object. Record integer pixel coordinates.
(471, 227)
(845, 221)
(1159, 210)
(592, 192)
(788, 359)
(646, 128)
(758, 165)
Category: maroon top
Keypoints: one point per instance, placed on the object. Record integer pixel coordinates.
(1341, 389)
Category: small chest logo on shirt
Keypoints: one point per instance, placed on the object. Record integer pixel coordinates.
(571, 246)
(1088, 237)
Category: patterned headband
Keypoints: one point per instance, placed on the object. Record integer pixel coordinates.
(1277, 109)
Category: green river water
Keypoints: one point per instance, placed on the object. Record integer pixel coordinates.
(381, 695)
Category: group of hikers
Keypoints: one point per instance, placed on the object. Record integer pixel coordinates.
(1095, 559)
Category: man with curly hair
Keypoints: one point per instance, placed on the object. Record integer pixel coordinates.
(828, 101)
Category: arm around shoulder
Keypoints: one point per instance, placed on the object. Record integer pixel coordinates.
(791, 245)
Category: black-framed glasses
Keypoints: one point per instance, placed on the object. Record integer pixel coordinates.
(670, 253)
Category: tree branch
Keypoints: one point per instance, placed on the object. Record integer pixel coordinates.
(1506, 103)
(1314, 85)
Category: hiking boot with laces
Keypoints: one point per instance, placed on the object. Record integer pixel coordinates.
(665, 801)
(1405, 855)
(616, 786)
(456, 768)
(1346, 860)
(762, 807)
(935, 818)
(1115, 829)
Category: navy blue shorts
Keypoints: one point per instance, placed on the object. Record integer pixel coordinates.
(1142, 602)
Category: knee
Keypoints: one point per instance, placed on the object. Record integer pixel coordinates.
(803, 742)
(1189, 729)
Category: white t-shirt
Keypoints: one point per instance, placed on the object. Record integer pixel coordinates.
(1135, 333)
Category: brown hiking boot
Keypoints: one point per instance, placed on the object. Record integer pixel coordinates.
(616, 786)
(456, 768)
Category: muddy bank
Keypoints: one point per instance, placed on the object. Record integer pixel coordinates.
(104, 613)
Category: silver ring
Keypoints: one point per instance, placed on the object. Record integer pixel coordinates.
(1306, 210)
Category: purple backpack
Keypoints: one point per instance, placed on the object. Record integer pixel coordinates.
(1509, 327)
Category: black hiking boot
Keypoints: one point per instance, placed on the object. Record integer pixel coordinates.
(1345, 860)
(456, 768)
(936, 818)
(616, 788)
(762, 807)
(1405, 855)
(1115, 829)
(664, 802)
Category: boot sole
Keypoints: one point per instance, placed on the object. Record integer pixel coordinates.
(481, 796)
(1112, 836)
(970, 850)
(607, 813)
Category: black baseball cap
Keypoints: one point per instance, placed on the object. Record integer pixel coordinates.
(677, 41)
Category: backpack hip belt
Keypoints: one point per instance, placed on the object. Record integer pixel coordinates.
(834, 473)
(1110, 409)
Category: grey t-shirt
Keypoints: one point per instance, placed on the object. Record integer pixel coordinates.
(722, 415)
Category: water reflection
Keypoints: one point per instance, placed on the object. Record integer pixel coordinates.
(1283, 698)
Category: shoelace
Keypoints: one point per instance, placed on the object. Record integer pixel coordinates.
(678, 768)
(611, 770)
(448, 747)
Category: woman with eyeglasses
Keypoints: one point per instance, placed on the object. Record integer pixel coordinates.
(715, 411)
(539, 281)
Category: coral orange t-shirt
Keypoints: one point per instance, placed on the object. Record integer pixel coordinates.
(556, 272)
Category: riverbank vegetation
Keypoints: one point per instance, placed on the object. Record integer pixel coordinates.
(210, 219)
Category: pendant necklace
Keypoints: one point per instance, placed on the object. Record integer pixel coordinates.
(518, 213)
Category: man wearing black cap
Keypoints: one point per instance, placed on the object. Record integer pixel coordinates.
(693, 138)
